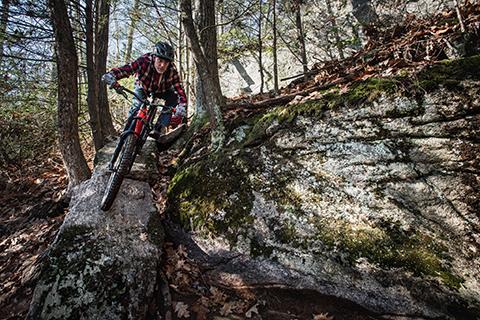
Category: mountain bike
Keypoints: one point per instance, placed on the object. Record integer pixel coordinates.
(132, 139)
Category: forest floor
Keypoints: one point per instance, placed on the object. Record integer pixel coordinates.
(32, 211)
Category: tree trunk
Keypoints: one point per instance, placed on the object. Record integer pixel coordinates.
(274, 49)
(221, 14)
(338, 41)
(459, 16)
(301, 36)
(209, 83)
(260, 46)
(180, 44)
(3, 25)
(131, 30)
(92, 93)
(67, 108)
(101, 54)
(188, 72)
(208, 39)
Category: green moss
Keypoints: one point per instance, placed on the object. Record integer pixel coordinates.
(258, 249)
(360, 92)
(286, 233)
(369, 90)
(213, 195)
(283, 116)
(449, 73)
(390, 247)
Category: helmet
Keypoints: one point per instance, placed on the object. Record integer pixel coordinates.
(164, 50)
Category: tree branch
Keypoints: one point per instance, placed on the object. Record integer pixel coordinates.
(232, 20)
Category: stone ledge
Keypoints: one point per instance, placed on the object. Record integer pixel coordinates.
(144, 168)
(104, 265)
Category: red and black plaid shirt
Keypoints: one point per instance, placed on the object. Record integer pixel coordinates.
(149, 79)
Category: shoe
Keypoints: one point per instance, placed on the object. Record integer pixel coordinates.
(156, 134)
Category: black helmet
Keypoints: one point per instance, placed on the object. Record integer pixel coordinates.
(164, 50)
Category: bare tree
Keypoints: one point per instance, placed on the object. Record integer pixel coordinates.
(131, 30)
(67, 68)
(180, 43)
(101, 54)
(297, 6)
(274, 46)
(338, 40)
(260, 46)
(96, 29)
(3, 25)
(92, 93)
(205, 62)
(207, 32)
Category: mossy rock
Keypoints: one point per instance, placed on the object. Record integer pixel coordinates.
(213, 195)
(449, 73)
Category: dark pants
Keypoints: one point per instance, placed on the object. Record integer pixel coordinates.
(171, 101)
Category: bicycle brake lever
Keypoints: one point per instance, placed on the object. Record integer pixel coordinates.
(119, 90)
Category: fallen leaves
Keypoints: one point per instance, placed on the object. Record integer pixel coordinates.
(226, 309)
(143, 236)
(186, 280)
(253, 310)
(181, 309)
(322, 316)
(218, 297)
(200, 308)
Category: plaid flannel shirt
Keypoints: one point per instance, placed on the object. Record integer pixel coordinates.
(150, 80)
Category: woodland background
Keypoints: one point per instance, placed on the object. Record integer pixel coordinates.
(258, 43)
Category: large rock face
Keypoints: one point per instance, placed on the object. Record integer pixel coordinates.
(103, 265)
(374, 202)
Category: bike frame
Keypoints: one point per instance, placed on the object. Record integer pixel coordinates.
(140, 124)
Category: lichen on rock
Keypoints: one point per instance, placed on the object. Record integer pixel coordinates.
(102, 265)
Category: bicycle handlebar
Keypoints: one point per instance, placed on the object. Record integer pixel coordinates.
(121, 90)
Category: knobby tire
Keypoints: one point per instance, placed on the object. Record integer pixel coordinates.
(121, 169)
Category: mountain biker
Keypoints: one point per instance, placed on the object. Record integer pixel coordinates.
(157, 76)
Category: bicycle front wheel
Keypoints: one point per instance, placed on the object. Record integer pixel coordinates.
(120, 169)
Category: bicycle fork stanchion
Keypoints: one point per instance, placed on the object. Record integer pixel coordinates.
(121, 142)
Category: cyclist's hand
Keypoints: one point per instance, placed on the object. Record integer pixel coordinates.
(117, 87)
(110, 79)
(181, 110)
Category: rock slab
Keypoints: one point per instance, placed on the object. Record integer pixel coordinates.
(102, 265)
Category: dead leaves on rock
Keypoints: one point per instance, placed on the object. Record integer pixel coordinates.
(407, 47)
(165, 161)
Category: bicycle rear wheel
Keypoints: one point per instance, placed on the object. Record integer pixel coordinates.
(120, 169)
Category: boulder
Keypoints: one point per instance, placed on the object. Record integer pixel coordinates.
(103, 265)
(375, 202)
